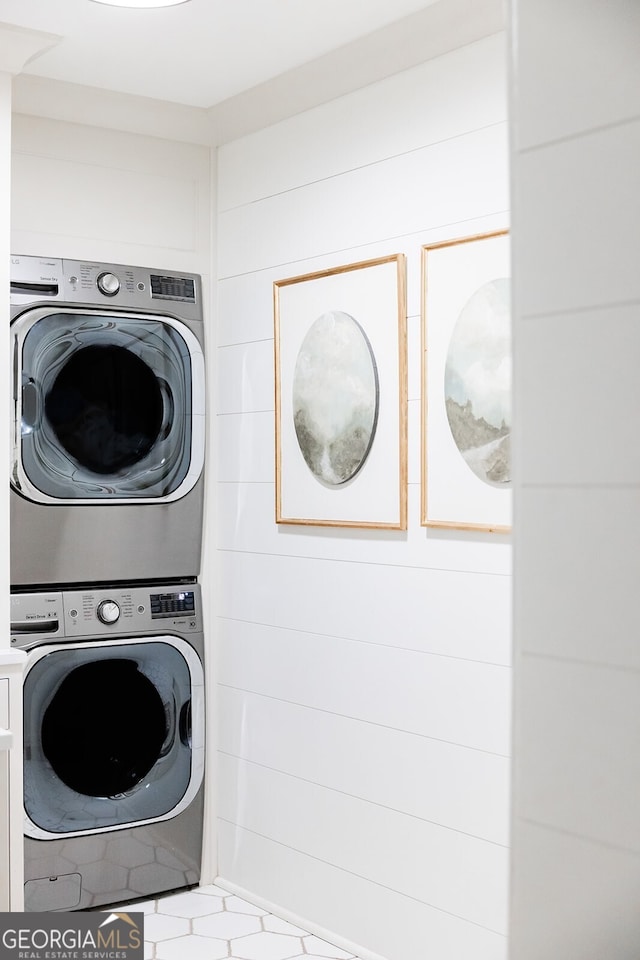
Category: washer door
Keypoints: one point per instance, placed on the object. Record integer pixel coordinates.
(113, 735)
(107, 407)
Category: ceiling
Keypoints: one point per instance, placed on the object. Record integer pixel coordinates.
(200, 53)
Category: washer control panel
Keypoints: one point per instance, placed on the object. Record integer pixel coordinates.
(38, 618)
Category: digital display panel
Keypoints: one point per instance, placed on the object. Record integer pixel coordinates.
(172, 288)
(172, 604)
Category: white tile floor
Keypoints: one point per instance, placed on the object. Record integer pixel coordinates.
(208, 923)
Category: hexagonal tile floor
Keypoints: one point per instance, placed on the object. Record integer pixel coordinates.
(208, 923)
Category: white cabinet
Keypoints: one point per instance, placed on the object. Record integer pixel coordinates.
(5, 744)
(11, 878)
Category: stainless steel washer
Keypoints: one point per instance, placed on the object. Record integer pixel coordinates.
(108, 422)
(113, 742)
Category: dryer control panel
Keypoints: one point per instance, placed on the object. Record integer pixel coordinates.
(86, 282)
(117, 611)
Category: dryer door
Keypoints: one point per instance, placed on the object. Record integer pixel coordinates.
(107, 407)
(113, 735)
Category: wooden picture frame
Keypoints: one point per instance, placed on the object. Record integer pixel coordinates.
(341, 396)
(466, 384)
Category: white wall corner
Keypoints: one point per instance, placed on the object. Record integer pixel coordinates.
(437, 29)
(19, 46)
(109, 109)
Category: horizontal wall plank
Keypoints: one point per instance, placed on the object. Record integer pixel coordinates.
(434, 101)
(118, 197)
(245, 381)
(459, 701)
(246, 522)
(466, 876)
(396, 926)
(127, 209)
(594, 92)
(446, 613)
(590, 574)
(458, 179)
(108, 148)
(583, 743)
(245, 448)
(112, 250)
(587, 893)
(560, 192)
(424, 778)
(245, 301)
(580, 438)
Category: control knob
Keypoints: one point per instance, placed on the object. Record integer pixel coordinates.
(108, 611)
(108, 284)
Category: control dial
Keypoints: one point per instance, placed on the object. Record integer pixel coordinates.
(108, 284)
(108, 611)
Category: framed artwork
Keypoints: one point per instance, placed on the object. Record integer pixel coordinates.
(341, 396)
(466, 384)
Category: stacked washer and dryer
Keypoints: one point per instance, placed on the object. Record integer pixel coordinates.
(106, 498)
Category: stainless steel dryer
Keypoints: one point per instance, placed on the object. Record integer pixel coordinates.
(108, 422)
(113, 743)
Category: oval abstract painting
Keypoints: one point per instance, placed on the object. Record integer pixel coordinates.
(335, 397)
(477, 382)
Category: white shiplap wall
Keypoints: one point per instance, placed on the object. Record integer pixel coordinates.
(576, 190)
(100, 194)
(364, 681)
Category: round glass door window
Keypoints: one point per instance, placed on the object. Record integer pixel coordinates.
(107, 736)
(106, 407)
(118, 748)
